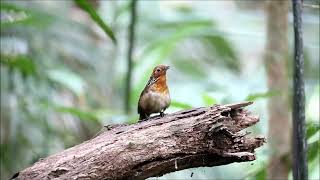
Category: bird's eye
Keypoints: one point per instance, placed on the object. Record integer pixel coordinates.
(158, 70)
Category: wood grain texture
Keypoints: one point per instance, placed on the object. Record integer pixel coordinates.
(207, 136)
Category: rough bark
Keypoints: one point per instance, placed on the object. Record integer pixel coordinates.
(275, 61)
(207, 136)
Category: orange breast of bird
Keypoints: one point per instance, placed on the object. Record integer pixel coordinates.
(160, 86)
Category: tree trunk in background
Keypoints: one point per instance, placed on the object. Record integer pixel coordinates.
(276, 66)
(131, 39)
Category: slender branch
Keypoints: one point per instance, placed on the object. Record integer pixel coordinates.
(199, 137)
(300, 166)
(131, 40)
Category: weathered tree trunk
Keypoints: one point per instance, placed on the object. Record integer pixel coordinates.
(275, 61)
(208, 136)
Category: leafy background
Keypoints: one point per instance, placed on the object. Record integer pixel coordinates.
(63, 68)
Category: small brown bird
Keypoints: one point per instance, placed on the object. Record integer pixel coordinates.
(155, 96)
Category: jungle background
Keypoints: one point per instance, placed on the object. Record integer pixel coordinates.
(65, 73)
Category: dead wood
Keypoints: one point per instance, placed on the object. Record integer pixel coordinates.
(206, 136)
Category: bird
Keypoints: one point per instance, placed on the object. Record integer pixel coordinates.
(155, 97)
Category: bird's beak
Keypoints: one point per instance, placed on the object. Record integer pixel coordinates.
(167, 67)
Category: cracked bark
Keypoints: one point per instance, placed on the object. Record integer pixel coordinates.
(206, 136)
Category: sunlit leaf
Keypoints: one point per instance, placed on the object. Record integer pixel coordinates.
(184, 9)
(312, 128)
(208, 100)
(13, 15)
(255, 96)
(83, 4)
(180, 105)
(261, 174)
(81, 114)
(68, 79)
(184, 23)
(84, 115)
(313, 150)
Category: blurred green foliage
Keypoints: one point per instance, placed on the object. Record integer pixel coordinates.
(255, 96)
(94, 15)
(62, 77)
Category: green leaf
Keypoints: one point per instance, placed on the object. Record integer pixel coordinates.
(23, 16)
(22, 63)
(81, 114)
(180, 105)
(208, 100)
(84, 115)
(261, 174)
(222, 48)
(190, 67)
(184, 23)
(312, 128)
(313, 150)
(123, 9)
(255, 96)
(257, 172)
(313, 146)
(10, 7)
(83, 4)
(182, 31)
(68, 79)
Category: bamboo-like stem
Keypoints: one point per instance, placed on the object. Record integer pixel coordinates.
(131, 40)
(300, 166)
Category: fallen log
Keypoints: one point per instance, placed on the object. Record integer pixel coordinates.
(206, 136)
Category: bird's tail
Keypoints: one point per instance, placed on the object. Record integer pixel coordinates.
(142, 116)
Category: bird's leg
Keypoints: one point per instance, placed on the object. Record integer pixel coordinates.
(162, 113)
(147, 117)
(144, 117)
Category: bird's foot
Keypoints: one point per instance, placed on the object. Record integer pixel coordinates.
(162, 114)
(144, 118)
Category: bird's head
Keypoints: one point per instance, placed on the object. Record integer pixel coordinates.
(160, 70)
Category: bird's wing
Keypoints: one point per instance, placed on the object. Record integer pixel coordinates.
(143, 91)
(139, 108)
(151, 81)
